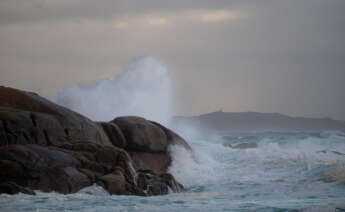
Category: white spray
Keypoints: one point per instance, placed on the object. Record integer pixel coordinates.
(144, 89)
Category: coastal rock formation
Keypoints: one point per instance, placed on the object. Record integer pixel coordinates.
(147, 142)
(44, 146)
(13, 188)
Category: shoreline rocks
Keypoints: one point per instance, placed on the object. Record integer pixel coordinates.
(44, 146)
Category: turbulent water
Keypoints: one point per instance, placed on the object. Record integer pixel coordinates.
(287, 172)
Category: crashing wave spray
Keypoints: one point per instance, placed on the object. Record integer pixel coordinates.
(144, 89)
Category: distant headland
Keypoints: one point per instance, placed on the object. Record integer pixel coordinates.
(220, 121)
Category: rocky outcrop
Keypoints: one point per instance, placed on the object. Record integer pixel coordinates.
(152, 184)
(28, 118)
(13, 188)
(147, 142)
(44, 146)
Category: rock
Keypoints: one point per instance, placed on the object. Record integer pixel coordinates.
(157, 162)
(65, 171)
(114, 183)
(46, 169)
(148, 142)
(10, 171)
(153, 184)
(171, 182)
(173, 138)
(64, 180)
(157, 188)
(33, 156)
(142, 135)
(247, 145)
(46, 147)
(62, 170)
(114, 133)
(90, 174)
(13, 188)
(30, 119)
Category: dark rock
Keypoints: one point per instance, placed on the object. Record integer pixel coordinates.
(158, 162)
(46, 169)
(13, 188)
(114, 183)
(157, 188)
(91, 175)
(21, 112)
(64, 180)
(171, 182)
(173, 138)
(11, 171)
(46, 147)
(34, 156)
(148, 142)
(141, 135)
(114, 133)
(153, 184)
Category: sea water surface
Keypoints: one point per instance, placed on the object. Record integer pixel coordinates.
(287, 172)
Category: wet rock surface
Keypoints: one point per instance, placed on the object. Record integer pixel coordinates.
(13, 188)
(46, 147)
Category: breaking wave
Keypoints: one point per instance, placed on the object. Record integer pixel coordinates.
(144, 89)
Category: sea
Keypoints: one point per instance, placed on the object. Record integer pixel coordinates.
(288, 171)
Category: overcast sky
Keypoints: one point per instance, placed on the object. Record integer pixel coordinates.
(285, 56)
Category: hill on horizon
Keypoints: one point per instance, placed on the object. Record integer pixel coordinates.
(220, 121)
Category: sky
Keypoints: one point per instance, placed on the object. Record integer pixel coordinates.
(276, 56)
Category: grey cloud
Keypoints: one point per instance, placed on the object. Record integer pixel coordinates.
(284, 56)
(23, 11)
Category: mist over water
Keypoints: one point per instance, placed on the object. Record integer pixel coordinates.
(143, 89)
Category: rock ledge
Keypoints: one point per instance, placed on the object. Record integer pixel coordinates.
(44, 146)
